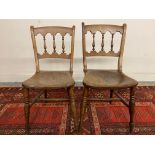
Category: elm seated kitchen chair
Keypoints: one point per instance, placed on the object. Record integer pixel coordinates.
(44, 80)
(112, 80)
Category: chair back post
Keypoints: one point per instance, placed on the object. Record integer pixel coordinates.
(120, 59)
(34, 48)
(84, 48)
(72, 50)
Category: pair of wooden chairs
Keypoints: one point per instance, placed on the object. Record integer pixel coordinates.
(96, 79)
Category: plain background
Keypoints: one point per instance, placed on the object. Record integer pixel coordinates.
(17, 57)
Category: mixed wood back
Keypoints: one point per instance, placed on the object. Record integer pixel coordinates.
(103, 29)
(53, 30)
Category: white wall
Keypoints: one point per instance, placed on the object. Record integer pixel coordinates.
(17, 58)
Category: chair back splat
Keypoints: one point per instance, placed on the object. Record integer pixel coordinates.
(53, 30)
(103, 29)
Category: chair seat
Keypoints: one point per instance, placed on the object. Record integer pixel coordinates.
(108, 79)
(50, 79)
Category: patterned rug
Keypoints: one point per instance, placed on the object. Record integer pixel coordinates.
(54, 118)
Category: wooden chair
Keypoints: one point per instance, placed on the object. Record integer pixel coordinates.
(45, 80)
(106, 79)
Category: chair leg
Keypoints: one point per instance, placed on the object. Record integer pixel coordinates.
(111, 94)
(83, 108)
(132, 108)
(26, 109)
(45, 94)
(73, 106)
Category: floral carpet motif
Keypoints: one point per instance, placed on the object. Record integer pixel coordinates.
(54, 118)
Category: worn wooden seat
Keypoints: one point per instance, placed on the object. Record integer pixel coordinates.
(106, 79)
(50, 79)
(45, 80)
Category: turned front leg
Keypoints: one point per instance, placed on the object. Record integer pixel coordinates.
(26, 109)
(83, 108)
(132, 108)
(73, 106)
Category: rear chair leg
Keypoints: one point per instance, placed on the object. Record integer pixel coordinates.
(73, 106)
(83, 108)
(132, 108)
(26, 109)
(45, 94)
(111, 95)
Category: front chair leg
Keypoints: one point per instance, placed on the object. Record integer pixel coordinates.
(83, 108)
(73, 106)
(132, 108)
(26, 109)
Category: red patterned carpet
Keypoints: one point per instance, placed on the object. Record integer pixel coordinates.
(54, 118)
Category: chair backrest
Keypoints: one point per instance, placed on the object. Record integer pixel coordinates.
(53, 30)
(112, 29)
